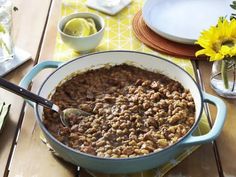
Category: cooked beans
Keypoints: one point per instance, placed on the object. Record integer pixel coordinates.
(133, 112)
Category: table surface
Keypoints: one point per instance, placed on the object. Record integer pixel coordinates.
(22, 154)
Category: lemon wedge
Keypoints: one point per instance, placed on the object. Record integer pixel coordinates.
(92, 25)
(2, 29)
(77, 27)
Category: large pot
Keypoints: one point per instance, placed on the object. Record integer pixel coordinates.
(150, 62)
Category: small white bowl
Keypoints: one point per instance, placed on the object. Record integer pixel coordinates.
(82, 44)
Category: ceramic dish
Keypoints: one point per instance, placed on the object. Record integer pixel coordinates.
(183, 20)
(131, 164)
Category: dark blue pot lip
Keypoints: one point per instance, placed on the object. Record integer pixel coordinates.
(36, 109)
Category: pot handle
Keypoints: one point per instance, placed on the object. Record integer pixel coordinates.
(27, 79)
(218, 124)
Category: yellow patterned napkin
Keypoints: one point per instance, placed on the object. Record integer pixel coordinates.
(119, 35)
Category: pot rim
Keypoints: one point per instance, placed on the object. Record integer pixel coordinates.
(36, 110)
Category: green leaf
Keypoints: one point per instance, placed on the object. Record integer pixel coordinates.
(233, 5)
(1, 106)
(233, 16)
(3, 114)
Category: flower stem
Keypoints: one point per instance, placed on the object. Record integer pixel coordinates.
(234, 77)
(224, 73)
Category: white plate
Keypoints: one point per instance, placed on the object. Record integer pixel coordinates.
(183, 20)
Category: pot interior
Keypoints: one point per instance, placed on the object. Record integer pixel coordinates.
(145, 61)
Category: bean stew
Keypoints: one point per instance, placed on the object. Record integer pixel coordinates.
(133, 112)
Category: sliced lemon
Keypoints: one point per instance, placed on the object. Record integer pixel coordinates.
(77, 27)
(92, 25)
(2, 29)
(90, 20)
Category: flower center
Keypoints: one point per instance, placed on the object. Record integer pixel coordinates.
(216, 46)
(230, 42)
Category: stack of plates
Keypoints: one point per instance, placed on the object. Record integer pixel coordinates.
(173, 26)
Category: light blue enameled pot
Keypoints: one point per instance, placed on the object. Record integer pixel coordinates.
(149, 62)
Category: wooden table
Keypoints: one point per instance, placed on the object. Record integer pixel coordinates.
(22, 154)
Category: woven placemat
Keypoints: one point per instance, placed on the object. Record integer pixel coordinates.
(160, 44)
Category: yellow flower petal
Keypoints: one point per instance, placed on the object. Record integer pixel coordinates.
(225, 50)
(218, 41)
(204, 43)
(200, 52)
(233, 51)
(217, 56)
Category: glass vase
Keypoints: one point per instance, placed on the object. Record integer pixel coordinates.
(6, 44)
(223, 78)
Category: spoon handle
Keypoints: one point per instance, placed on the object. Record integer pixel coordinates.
(25, 93)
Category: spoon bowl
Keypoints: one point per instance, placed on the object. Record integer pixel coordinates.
(71, 112)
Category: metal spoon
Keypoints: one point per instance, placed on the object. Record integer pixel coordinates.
(42, 101)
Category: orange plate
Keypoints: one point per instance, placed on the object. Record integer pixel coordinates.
(160, 44)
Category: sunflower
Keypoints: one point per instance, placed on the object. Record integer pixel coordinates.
(218, 42)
